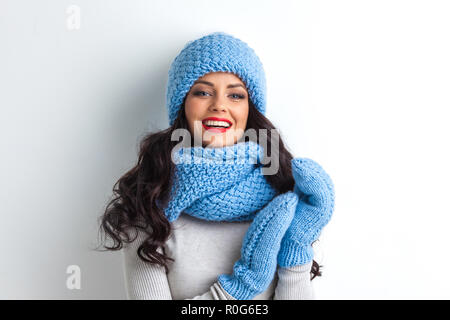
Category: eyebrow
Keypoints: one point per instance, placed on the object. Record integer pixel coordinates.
(212, 84)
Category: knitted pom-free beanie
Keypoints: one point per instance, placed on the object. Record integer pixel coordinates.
(215, 52)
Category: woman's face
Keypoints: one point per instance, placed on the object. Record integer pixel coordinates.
(216, 109)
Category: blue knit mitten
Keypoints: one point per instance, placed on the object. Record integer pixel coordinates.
(254, 271)
(315, 207)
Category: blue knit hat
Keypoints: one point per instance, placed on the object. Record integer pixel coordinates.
(215, 52)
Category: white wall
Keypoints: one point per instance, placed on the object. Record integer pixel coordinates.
(360, 86)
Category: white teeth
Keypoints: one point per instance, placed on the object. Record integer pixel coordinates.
(216, 123)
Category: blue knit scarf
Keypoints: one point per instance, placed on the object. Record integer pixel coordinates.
(227, 184)
(219, 184)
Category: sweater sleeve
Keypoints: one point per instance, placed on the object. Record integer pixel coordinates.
(144, 281)
(294, 283)
(216, 292)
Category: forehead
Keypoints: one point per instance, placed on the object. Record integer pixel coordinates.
(221, 77)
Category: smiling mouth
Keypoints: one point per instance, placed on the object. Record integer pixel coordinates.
(216, 125)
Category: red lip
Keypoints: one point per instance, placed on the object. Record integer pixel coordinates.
(216, 129)
(217, 119)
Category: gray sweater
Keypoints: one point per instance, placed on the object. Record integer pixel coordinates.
(203, 250)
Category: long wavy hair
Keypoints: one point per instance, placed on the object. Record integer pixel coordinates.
(133, 205)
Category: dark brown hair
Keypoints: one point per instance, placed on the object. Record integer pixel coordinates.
(133, 206)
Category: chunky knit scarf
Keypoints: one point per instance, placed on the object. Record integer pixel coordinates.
(219, 184)
(227, 184)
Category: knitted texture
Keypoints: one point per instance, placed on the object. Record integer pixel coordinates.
(254, 271)
(316, 204)
(227, 184)
(219, 184)
(215, 52)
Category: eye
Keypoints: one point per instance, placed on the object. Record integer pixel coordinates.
(200, 93)
(237, 96)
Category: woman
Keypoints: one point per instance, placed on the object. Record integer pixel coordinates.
(198, 219)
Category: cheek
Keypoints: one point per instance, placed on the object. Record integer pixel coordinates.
(241, 117)
(192, 110)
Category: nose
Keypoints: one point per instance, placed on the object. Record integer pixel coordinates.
(217, 107)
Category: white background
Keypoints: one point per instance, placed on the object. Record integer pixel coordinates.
(362, 87)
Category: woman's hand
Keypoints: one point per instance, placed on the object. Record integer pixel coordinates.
(254, 271)
(314, 209)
